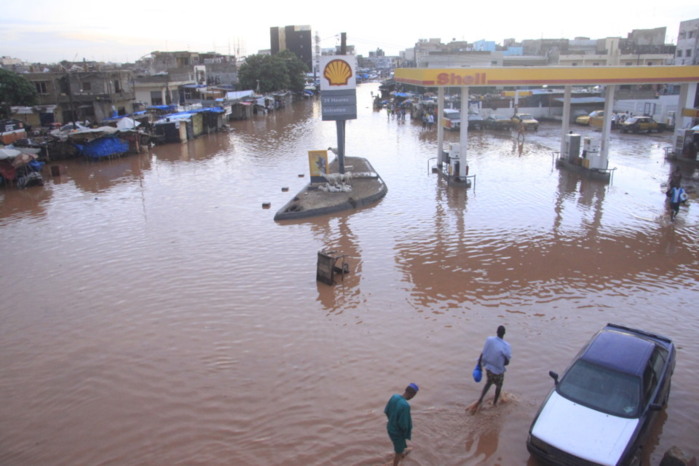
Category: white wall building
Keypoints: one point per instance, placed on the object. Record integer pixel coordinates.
(688, 43)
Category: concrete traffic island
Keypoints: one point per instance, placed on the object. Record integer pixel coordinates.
(359, 187)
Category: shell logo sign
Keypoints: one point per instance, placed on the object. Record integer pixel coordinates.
(338, 73)
(338, 87)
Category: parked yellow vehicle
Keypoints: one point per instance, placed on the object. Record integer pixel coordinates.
(597, 119)
(641, 124)
(597, 116)
(525, 121)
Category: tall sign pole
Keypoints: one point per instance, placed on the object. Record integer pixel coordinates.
(340, 124)
(338, 96)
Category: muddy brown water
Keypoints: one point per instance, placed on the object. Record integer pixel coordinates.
(154, 313)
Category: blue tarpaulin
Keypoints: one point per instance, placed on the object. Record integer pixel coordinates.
(206, 110)
(103, 147)
(163, 107)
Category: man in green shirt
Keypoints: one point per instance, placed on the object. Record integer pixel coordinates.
(400, 424)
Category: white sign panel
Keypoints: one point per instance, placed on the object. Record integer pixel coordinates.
(338, 83)
(338, 73)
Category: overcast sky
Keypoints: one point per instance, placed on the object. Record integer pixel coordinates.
(126, 30)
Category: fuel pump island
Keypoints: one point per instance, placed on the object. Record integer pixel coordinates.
(589, 156)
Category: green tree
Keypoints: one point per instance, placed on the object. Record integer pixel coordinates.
(295, 68)
(267, 73)
(15, 90)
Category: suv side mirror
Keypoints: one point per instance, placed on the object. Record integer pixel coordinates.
(554, 376)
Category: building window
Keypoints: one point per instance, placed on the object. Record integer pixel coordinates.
(41, 87)
(688, 53)
(87, 86)
(574, 63)
(679, 53)
(156, 98)
(117, 86)
(596, 63)
(691, 34)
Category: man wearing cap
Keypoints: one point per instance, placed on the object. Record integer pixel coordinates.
(495, 356)
(400, 424)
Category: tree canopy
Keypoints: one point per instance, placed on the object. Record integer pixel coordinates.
(15, 90)
(270, 73)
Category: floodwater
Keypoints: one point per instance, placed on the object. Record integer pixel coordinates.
(154, 313)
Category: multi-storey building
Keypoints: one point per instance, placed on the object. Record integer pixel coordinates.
(211, 68)
(78, 95)
(688, 43)
(641, 47)
(183, 77)
(297, 39)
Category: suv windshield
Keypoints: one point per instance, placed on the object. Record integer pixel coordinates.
(601, 389)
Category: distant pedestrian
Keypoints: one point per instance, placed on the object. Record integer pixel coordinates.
(400, 424)
(496, 354)
(677, 197)
(675, 179)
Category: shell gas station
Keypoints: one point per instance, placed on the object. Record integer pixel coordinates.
(453, 164)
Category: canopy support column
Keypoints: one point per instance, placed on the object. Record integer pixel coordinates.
(565, 124)
(683, 121)
(440, 127)
(463, 133)
(607, 124)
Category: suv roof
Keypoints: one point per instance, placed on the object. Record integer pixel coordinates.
(620, 351)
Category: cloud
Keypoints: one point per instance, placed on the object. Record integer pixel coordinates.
(57, 30)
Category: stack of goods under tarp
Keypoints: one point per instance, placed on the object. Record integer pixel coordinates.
(19, 167)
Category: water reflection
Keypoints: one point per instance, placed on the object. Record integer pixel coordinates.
(205, 147)
(336, 235)
(589, 195)
(277, 133)
(101, 176)
(30, 202)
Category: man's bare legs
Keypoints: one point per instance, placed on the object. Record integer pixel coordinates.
(399, 456)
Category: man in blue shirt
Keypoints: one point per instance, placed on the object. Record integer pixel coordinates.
(400, 424)
(677, 196)
(495, 356)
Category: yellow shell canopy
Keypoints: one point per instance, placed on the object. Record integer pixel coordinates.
(337, 72)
